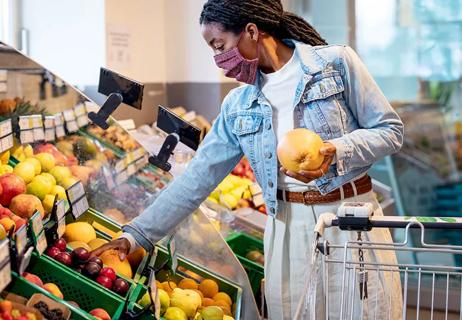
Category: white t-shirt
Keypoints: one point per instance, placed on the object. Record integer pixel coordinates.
(279, 89)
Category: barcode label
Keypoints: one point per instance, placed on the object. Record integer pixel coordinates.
(80, 207)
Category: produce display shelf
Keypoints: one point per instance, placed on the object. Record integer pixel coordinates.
(117, 151)
(241, 244)
(74, 287)
(233, 290)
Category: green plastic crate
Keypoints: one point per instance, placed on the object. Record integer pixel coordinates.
(233, 290)
(75, 287)
(241, 244)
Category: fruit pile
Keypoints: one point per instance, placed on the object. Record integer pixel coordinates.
(9, 312)
(50, 287)
(115, 135)
(192, 300)
(80, 260)
(256, 256)
(244, 170)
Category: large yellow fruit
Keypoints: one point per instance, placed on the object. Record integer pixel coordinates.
(68, 182)
(96, 243)
(212, 313)
(40, 186)
(174, 313)
(299, 150)
(47, 161)
(25, 170)
(48, 203)
(49, 177)
(36, 164)
(79, 244)
(187, 300)
(60, 173)
(111, 259)
(79, 231)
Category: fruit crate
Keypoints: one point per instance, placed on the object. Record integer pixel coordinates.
(165, 274)
(241, 244)
(87, 293)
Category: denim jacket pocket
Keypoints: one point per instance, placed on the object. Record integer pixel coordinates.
(246, 124)
(324, 107)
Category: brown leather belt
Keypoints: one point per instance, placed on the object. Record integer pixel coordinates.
(363, 185)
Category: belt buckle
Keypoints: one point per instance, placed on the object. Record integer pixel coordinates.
(305, 202)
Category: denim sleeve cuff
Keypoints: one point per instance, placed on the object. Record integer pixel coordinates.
(133, 244)
(139, 238)
(342, 155)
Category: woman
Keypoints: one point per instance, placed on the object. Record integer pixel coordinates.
(293, 80)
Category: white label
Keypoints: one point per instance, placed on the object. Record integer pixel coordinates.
(26, 136)
(80, 110)
(37, 223)
(91, 107)
(41, 245)
(72, 126)
(131, 170)
(49, 122)
(82, 121)
(69, 115)
(50, 135)
(75, 192)
(4, 251)
(5, 276)
(39, 135)
(80, 207)
(37, 121)
(25, 122)
(58, 119)
(60, 209)
(60, 132)
(21, 239)
(6, 143)
(5, 128)
(61, 227)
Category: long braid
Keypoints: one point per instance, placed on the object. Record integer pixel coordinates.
(268, 15)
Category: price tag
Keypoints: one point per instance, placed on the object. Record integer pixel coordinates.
(109, 178)
(80, 110)
(173, 258)
(82, 121)
(21, 239)
(6, 143)
(39, 134)
(6, 128)
(80, 207)
(120, 165)
(50, 135)
(61, 228)
(36, 223)
(131, 169)
(26, 136)
(60, 132)
(59, 119)
(59, 210)
(5, 275)
(4, 251)
(91, 107)
(25, 123)
(37, 121)
(69, 115)
(75, 192)
(41, 243)
(49, 122)
(72, 126)
(121, 177)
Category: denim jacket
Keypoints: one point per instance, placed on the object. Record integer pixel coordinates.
(337, 98)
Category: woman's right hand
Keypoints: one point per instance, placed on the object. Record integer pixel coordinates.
(122, 245)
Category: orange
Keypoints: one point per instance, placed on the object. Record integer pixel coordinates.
(187, 284)
(8, 224)
(159, 285)
(224, 306)
(206, 302)
(209, 288)
(222, 296)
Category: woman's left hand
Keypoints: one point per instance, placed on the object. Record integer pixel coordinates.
(328, 150)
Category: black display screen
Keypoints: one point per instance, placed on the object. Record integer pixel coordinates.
(112, 82)
(171, 123)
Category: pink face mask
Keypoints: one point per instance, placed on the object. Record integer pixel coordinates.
(236, 66)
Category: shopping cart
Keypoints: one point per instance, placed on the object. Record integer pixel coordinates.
(430, 290)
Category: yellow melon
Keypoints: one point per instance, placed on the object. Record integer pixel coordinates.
(79, 231)
(111, 259)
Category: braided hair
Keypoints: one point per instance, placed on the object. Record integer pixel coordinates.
(268, 15)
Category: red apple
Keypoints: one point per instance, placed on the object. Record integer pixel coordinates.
(120, 286)
(80, 255)
(12, 185)
(100, 313)
(53, 252)
(7, 316)
(64, 258)
(60, 244)
(108, 272)
(104, 281)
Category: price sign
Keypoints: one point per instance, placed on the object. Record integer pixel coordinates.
(36, 223)
(39, 134)
(26, 136)
(5, 275)
(6, 135)
(6, 128)
(120, 165)
(80, 110)
(82, 121)
(59, 210)
(4, 251)
(50, 135)
(41, 243)
(72, 126)
(21, 239)
(91, 107)
(131, 169)
(49, 122)
(60, 132)
(7, 143)
(59, 119)
(25, 123)
(121, 177)
(69, 115)
(61, 228)
(37, 121)
(78, 199)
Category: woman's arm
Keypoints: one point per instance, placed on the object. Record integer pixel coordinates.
(380, 130)
(215, 159)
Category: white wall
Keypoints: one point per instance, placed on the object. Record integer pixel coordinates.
(144, 20)
(68, 37)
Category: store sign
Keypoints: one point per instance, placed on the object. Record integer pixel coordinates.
(77, 199)
(6, 135)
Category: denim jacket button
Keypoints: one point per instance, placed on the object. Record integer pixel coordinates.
(268, 155)
(272, 210)
(270, 184)
(268, 125)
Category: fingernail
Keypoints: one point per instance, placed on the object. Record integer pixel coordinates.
(122, 256)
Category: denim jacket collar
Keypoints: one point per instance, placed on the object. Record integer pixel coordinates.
(311, 63)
